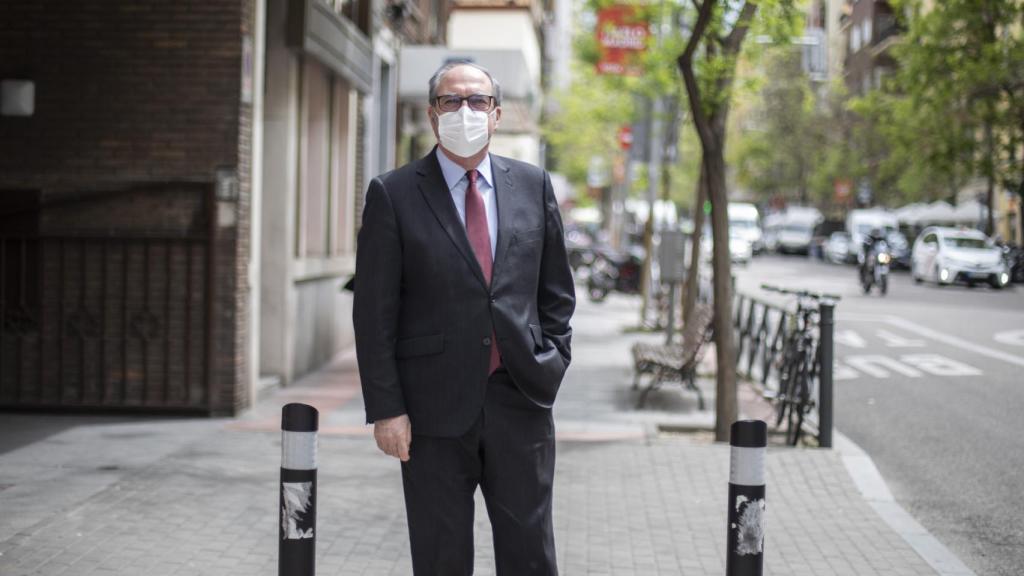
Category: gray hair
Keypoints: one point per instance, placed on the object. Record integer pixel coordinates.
(448, 66)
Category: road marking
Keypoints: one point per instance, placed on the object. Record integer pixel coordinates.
(849, 338)
(843, 372)
(939, 336)
(940, 365)
(893, 340)
(1011, 337)
(876, 365)
(909, 365)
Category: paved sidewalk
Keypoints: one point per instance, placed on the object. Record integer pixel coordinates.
(136, 496)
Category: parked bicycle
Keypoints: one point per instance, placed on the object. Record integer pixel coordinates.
(799, 362)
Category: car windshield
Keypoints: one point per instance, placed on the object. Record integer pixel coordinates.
(742, 224)
(797, 228)
(964, 242)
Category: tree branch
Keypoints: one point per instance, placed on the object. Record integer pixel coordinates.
(734, 41)
(704, 10)
(685, 64)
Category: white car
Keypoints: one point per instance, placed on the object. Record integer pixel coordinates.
(740, 249)
(838, 248)
(745, 222)
(948, 255)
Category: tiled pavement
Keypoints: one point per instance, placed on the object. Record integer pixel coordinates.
(89, 496)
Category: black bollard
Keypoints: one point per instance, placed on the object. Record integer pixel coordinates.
(297, 552)
(745, 553)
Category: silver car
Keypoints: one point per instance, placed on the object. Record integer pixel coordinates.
(948, 255)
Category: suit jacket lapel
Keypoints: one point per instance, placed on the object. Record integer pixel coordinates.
(435, 191)
(504, 190)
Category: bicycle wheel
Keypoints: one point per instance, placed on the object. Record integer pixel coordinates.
(799, 401)
(787, 381)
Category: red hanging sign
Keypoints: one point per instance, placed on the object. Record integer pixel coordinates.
(621, 37)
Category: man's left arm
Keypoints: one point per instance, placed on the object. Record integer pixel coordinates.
(556, 293)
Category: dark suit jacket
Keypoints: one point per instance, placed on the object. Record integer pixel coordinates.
(423, 313)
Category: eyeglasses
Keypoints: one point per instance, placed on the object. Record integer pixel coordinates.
(452, 103)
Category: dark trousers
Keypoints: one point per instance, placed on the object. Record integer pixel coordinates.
(510, 454)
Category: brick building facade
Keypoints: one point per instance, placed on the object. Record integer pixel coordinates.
(154, 213)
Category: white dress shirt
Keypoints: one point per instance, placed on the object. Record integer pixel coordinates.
(458, 183)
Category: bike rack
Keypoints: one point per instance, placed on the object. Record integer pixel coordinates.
(762, 329)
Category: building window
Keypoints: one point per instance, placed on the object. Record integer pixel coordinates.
(326, 190)
(343, 126)
(866, 34)
(314, 167)
(385, 116)
(854, 39)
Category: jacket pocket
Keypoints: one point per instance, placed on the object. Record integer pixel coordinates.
(420, 346)
(538, 336)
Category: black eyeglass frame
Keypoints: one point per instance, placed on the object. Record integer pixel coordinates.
(492, 102)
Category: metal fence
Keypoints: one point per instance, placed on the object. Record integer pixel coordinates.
(109, 317)
(762, 331)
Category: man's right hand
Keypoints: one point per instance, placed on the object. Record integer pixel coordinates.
(393, 436)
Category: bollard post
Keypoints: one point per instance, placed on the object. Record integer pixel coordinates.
(826, 327)
(297, 551)
(745, 554)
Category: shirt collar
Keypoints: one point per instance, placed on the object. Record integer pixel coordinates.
(453, 172)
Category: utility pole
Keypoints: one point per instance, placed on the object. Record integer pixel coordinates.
(654, 161)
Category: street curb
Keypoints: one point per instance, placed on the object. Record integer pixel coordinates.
(875, 491)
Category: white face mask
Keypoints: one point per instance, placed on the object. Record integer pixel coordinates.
(465, 132)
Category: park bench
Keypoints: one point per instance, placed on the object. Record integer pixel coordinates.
(676, 361)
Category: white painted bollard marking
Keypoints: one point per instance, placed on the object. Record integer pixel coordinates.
(746, 466)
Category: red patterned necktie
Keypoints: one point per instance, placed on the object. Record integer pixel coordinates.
(480, 239)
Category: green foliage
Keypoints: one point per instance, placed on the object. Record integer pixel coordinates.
(589, 116)
(961, 78)
(777, 155)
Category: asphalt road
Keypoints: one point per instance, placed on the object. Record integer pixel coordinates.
(930, 382)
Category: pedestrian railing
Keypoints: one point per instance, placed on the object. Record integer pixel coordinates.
(786, 349)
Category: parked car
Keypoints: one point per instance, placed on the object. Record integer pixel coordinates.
(796, 233)
(741, 250)
(820, 236)
(899, 248)
(948, 255)
(838, 248)
(745, 222)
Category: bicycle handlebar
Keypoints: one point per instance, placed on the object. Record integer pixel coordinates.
(801, 293)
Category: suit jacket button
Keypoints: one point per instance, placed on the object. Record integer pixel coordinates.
(486, 342)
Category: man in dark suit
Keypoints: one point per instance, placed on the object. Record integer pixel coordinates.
(463, 296)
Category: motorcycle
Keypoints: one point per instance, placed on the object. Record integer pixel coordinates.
(874, 270)
(614, 272)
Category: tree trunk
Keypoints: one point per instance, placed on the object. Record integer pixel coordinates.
(711, 130)
(693, 273)
(991, 179)
(726, 409)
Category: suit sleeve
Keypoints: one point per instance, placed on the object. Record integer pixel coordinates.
(376, 305)
(556, 293)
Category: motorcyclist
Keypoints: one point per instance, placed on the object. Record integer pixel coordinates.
(873, 237)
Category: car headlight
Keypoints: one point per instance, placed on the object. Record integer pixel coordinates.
(883, 258)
